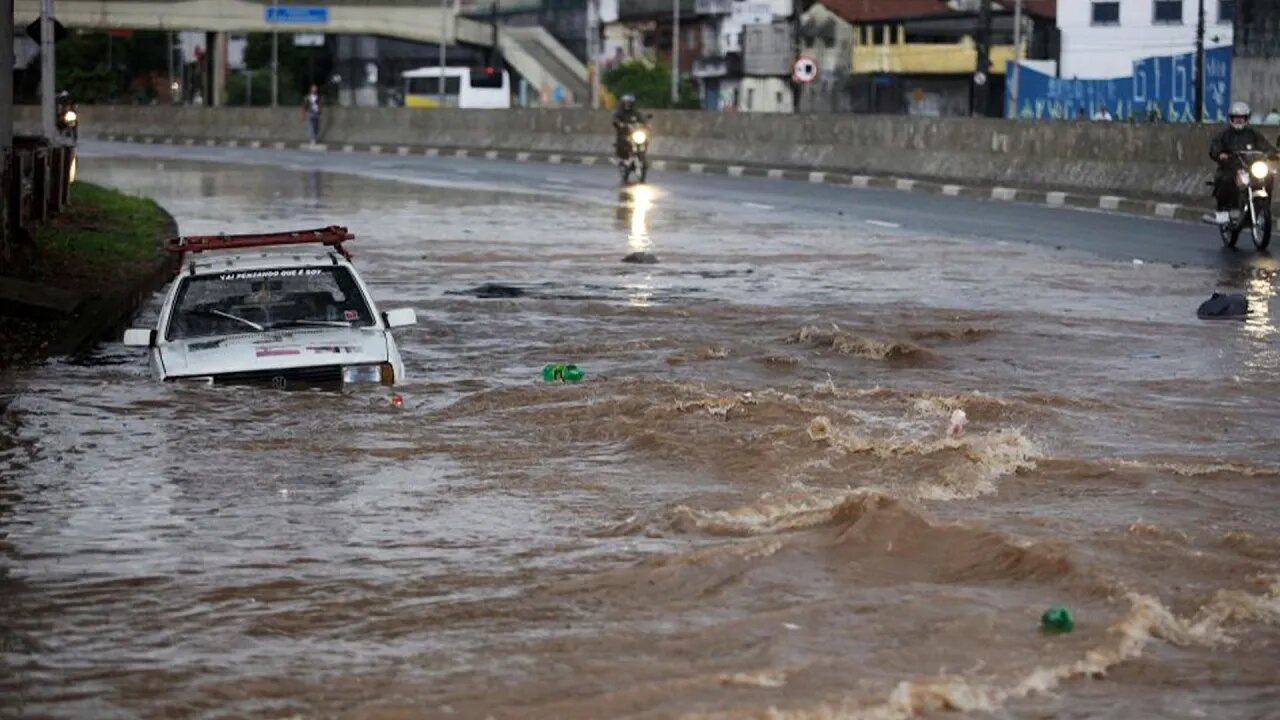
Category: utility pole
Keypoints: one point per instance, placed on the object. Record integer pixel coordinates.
(675, 52)
(981, 75)
(1199, 80)
(48, 74)
(1017, 57)
(168, 37)
(6, 89)
(275, 63)
(444, 33)
(593, 49)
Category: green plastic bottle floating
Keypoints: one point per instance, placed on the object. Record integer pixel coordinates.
(1057, 620)
(562, 372)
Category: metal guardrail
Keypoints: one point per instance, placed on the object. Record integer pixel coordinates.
(35, 178)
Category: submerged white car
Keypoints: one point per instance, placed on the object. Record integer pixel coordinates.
(244, 310)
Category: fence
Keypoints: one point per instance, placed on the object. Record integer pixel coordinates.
(35, 178)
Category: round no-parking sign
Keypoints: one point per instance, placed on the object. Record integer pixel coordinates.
(804, 70)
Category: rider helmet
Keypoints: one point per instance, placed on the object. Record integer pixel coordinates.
(628, 102)
(1239, 114)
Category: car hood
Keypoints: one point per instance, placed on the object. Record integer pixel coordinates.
(273, 350)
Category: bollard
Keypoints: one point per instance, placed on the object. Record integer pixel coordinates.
(40, 185)
(24, 182)
(56, 197)
(8, 206)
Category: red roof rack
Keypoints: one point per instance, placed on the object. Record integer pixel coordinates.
(333, 236)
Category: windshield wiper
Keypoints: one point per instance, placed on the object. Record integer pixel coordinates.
(229, 316)
(322, 323)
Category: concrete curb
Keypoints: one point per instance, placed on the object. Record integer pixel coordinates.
(1050, 198)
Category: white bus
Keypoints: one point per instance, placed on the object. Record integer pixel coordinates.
(463, 87)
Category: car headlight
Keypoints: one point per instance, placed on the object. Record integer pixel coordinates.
(352, 374)
(1260, 170)
(639, 137)
(383, 373)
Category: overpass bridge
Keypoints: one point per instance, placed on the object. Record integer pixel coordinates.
(532, 52)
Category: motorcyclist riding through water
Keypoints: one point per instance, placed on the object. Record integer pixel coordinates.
(66, 116)
(624, 118)
(1236, 137)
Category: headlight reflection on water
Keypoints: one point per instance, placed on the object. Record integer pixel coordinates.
(635, 205)
(1259, 290)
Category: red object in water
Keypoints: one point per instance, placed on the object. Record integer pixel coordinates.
(396, 400)
(333, 236)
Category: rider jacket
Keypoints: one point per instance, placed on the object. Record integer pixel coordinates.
(623, 118)
(1231, 140)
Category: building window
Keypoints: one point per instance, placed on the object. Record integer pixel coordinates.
(1168, 12)
(1106, 13)
(1226, 11)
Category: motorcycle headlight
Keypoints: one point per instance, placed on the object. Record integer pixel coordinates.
(69, 116)
(639, 137)
(352, 374)
(1260, 170)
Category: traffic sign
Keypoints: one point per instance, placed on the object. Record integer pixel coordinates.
(804, 70)
(296, 14)
(59, 32)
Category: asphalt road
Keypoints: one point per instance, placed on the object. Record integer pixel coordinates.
(911, 215)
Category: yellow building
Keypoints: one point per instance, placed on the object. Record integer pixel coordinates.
(920, 57)
(885, 49)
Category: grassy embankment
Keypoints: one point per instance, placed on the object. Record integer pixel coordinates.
(105, 247)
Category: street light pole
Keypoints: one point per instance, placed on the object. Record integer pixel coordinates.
(48, 74)
(675, 52)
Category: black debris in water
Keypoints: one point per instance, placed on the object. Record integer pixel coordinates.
(1224, 306)
(490, 290)
(641, 258)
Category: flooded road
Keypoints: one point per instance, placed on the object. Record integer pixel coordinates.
(751, 507)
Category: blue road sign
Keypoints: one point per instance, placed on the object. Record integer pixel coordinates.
(297, 14)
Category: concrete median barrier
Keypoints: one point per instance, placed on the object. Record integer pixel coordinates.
(1155, 162)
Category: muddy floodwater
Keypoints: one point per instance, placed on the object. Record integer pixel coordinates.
(754, 505)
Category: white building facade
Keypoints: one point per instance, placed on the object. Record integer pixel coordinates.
(1102, 38)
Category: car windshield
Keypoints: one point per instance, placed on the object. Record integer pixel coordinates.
(247, 301)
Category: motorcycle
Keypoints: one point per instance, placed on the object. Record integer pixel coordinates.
(636, 160)
(1254, 175)
(68, 121)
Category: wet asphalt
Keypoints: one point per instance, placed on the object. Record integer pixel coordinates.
(917, 217)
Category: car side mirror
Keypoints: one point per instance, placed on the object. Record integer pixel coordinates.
(400, 317)
(139, 337)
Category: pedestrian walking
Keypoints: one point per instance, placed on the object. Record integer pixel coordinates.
(311, 110)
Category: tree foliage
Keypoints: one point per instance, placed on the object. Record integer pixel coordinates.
(96, 67)
(650, 84)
